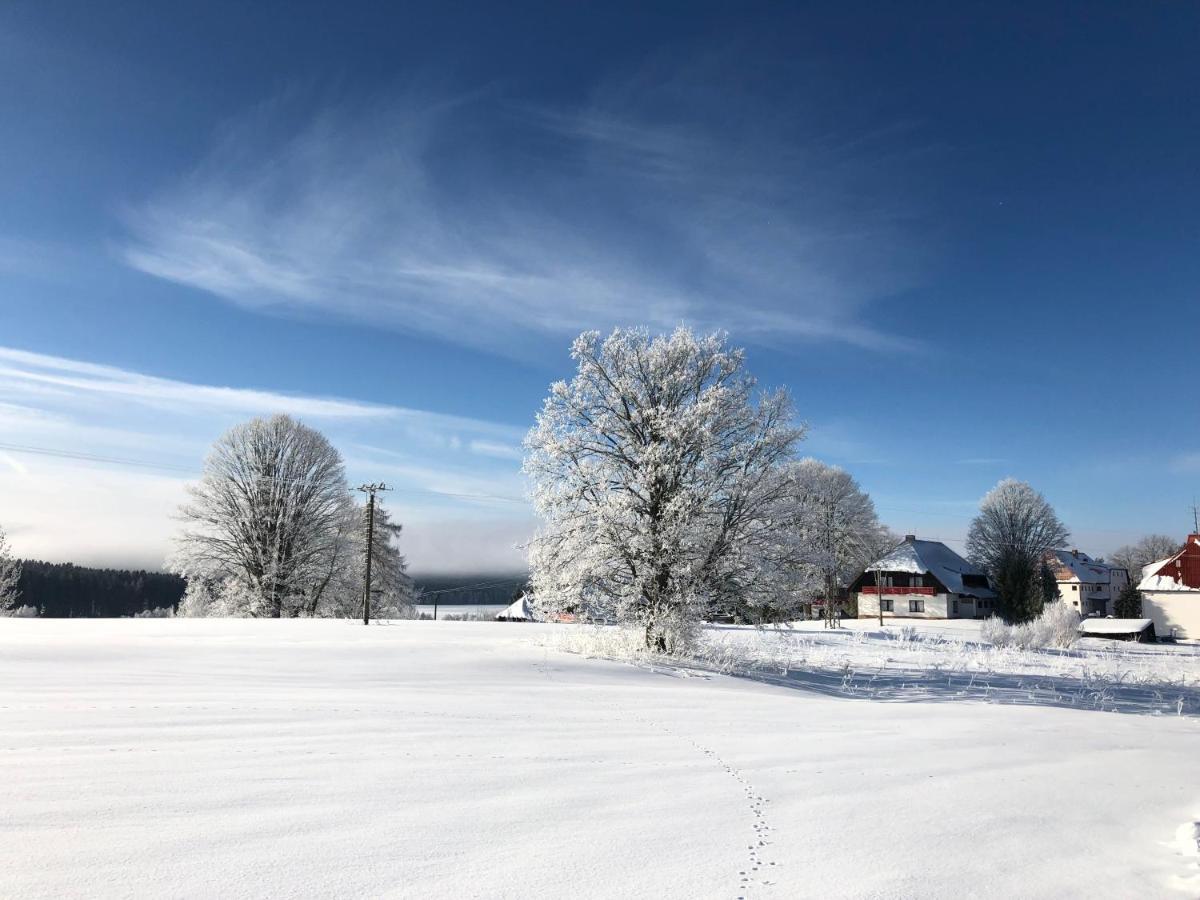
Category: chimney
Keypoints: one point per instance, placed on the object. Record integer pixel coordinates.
(1075, 553)
(909, 538)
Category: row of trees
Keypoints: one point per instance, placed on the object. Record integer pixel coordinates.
(65, 590)
(273, 530)
(669, 489)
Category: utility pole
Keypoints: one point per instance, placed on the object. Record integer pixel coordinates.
(369, 490)
(879, 592)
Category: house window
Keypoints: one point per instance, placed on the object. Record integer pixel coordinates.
(916, 606)
(886, 605)
(954, 606)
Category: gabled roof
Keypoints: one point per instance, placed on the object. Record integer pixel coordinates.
(1075, 565)
(517, 611)
(1180, 572)
(936, 559)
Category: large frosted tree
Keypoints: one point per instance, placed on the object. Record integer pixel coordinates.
(836, 528)
(1010, 538)
(339, 589)
(656, 474)
(266, 522)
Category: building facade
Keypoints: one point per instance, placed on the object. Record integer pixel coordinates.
(1171, 592)
(1088, 586)
(923, 580)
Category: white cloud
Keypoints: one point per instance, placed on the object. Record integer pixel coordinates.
(87, 454)
(34, 370)
(485, 224)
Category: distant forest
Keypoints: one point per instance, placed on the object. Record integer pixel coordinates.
(65, 590)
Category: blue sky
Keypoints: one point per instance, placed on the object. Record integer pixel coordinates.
(964, 235)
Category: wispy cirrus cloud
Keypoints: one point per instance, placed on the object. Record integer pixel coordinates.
(28, 372)
(665, 197)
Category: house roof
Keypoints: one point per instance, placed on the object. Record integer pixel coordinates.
(518, 610)
(1076, 565)
(1180, 572)
(1114, 626)
(936, 559)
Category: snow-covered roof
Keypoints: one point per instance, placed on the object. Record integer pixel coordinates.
(1175, 573)
(519, 609)
(936, 559)
(1075, 565)
(1114, 626)
(1165, 583)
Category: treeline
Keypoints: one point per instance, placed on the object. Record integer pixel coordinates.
(65, 590)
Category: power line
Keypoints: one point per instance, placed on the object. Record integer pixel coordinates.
(468, 587)
(92, 457)
(145, 464)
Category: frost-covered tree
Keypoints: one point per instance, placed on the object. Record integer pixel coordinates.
(10, 575)
(1151, 548)
(656, 474)
(339, 592)
(270, 511)
(1009, 538)
(836, 528)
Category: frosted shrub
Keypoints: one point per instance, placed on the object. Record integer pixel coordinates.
(159, 612)
(1057, 626)
(20, 612)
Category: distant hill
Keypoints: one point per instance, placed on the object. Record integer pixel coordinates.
(463, 590)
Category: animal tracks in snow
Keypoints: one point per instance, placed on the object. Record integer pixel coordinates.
(756, 872)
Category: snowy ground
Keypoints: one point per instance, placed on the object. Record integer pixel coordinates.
(202, 758)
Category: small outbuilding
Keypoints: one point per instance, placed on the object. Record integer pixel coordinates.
(1140, 630)
(519, 610)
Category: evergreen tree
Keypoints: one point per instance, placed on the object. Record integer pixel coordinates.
(1129, 603)
(1018, 588)
(1049, 586)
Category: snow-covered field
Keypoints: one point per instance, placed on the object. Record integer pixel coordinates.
(300, 758)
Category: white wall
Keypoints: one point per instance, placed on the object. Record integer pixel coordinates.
(1173, 609)
(935, 606)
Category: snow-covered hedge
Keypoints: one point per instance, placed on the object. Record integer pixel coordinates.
(20, 612)
(1057, 626)
(159, 612)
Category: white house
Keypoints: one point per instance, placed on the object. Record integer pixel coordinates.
(1086, 585)
(923, 580)
(1171, 592)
